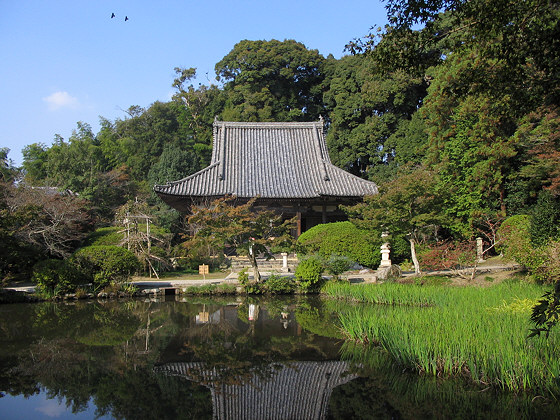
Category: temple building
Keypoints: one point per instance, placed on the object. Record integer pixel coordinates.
(285, 165)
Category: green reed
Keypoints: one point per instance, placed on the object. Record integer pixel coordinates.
(456, 398)
(442, 330)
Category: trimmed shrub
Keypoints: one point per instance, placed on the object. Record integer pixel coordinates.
(309, 273)
(56, 277)
(281, 285)
(105, 263)
(105, 236)
(342, 239)
(338, 264)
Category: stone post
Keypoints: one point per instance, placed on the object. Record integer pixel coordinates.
(285, 268)
(479, 250)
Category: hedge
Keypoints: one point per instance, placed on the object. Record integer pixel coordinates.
(105, 263)
(342, 239)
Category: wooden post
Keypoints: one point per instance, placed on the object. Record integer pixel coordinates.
(298, 224)
(203, 269)
(324, 213)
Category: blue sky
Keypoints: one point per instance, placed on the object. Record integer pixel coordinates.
(68, 61)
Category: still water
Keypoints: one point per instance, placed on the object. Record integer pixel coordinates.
(226, 358)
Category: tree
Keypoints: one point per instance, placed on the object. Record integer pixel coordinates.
(224, 223)
(150, 243)
(498, 66)
(409, 205)
(48, 220)
(138, 141)
(34, 163)
(538, 134)
(369, 109)
(7, 170)
(272, 81)
(75, 164)
(174, 163)
(200, 105)
(470, 136)
(16, 256)
(525, 35)
(373, 98)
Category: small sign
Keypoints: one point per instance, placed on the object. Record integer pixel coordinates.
(202, 318)
(203, 269)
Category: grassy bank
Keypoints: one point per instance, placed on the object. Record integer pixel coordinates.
(479, 332)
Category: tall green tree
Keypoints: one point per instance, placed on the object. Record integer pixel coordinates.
(173, 164)
(35, 158)
(370, 109)
(271, 81)
(199, 105)
(526, 35)
(7, 170)
(470, 135)
(409, 205)
(374, 95)
(75, 164)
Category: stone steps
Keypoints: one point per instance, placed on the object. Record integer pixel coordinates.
(239, 263)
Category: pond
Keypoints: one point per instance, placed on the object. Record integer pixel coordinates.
(227, 358)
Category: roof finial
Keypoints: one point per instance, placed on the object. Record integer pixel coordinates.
(321, 119)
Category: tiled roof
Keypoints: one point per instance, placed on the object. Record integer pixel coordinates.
(270, 160)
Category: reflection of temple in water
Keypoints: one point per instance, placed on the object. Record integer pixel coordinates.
(296, 390)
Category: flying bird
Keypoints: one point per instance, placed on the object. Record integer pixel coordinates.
(125, 18)
(112, 15)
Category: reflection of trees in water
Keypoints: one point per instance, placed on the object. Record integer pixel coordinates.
(105, 351)
(76, 373)
(383, 390)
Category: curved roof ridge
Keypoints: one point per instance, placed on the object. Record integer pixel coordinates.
(188, 177)
(267, 124)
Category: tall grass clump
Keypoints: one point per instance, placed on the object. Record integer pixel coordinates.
(383, 294)
(464, 331)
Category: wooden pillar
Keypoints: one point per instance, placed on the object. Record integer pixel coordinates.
(324, 213)
(298, 224)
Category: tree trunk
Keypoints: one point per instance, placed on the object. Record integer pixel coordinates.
(414, 259)
(256, 274)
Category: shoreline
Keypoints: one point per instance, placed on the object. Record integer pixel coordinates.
(150, 287)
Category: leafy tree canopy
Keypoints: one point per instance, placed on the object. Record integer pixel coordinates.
(250, 231)
(271, 81)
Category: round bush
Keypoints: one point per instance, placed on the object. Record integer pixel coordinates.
(309, 273)
(343, 239)
(105, 236)
(106, 263)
